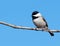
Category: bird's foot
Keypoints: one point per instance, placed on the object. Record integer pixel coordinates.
(38, 29)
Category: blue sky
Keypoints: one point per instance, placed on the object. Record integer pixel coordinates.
(19, 12)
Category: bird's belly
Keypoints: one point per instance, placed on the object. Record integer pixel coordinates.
(40, 23)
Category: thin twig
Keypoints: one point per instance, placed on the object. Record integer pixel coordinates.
(27, 28)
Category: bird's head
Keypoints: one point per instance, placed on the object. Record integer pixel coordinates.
(36, 14)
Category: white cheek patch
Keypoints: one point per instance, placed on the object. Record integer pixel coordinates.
(37, 15)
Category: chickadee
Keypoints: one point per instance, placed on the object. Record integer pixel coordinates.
(39, 21)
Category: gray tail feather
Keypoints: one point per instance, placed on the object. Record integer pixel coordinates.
(51, 33)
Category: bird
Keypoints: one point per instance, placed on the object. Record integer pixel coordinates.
(39, 21)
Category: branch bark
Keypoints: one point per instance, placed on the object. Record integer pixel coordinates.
(27, 28)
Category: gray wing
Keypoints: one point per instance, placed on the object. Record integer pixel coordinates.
(45, 21)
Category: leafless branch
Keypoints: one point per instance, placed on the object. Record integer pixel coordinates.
(27, 28)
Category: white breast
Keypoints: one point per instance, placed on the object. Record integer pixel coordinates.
(39, 22)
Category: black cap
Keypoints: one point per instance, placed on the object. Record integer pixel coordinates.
(35, 12)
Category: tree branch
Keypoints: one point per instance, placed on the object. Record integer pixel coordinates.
(28, 28)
